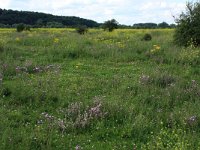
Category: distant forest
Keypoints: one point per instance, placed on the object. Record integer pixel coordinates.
(11, 18)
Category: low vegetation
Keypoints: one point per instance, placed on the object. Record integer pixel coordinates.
(82, 29)
(22, 27)
(147, 37)
(101, 90)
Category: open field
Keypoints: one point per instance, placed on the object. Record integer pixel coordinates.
(101, 90)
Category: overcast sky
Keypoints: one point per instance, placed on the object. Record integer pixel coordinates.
(124, 11)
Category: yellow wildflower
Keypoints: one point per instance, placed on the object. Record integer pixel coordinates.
(155, 49)
(56, 40)
(17, 39)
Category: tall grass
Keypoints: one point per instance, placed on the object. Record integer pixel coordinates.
(61, 90)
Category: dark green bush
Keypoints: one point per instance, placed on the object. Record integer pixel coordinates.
(147, 37)
(73, 55)
(188, 26)
(20, 27)
(81, 29)
(110, 25)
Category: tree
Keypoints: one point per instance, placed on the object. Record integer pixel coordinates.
(188, 26)
(163, 25)
(110, 25)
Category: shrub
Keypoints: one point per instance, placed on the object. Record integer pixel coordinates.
(188, 31)
(73, 55)
(20, 27)
(110, 25)
(147, 37)
(81, 29)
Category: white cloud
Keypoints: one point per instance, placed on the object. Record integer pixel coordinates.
(4, 4)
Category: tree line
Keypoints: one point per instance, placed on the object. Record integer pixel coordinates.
(12, 18)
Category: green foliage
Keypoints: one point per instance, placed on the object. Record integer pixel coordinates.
(110, 25)
(187, 30)
(163, 25)
(4, 25)
(147, 37)
(145, 25)
(20, 27)
(35, 19)
(39, 23)
(82, 29)
(53, 25)
(172, 25)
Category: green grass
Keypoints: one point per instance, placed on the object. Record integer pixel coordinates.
(101, 90)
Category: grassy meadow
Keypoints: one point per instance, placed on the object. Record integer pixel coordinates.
(103, 91)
